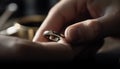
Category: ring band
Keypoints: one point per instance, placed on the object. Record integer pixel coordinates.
(52, 35)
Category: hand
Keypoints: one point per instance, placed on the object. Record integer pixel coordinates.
(12, 48)
(104, 22)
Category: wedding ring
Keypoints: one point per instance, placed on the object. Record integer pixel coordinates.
(52, 35)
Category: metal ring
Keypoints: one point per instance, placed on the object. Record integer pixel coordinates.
(52, 35)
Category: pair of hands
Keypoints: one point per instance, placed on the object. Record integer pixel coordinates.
(82, 21)
(93, 20)
(104, 20)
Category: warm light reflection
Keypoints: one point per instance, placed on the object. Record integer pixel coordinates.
(14, 28)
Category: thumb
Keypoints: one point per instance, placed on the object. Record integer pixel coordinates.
(83, 31)
(107, 25)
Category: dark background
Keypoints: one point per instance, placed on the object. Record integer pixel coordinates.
(28, 7)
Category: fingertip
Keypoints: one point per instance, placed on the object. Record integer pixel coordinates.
(83, 31)
(71, 34)
(39, 38)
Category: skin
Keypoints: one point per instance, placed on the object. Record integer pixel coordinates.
(104, 22)
(89, 29)
(86, 20)
(13, 48)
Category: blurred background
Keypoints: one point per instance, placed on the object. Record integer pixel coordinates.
(21, 18)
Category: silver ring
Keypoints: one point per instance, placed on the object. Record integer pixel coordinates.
(52, 35)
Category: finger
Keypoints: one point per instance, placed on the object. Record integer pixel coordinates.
(110, 51)
(83, 31)
(60, 14)
(111, 48)
(92, 29)
(20, 49)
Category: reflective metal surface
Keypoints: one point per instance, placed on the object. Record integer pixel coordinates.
(52, 35)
